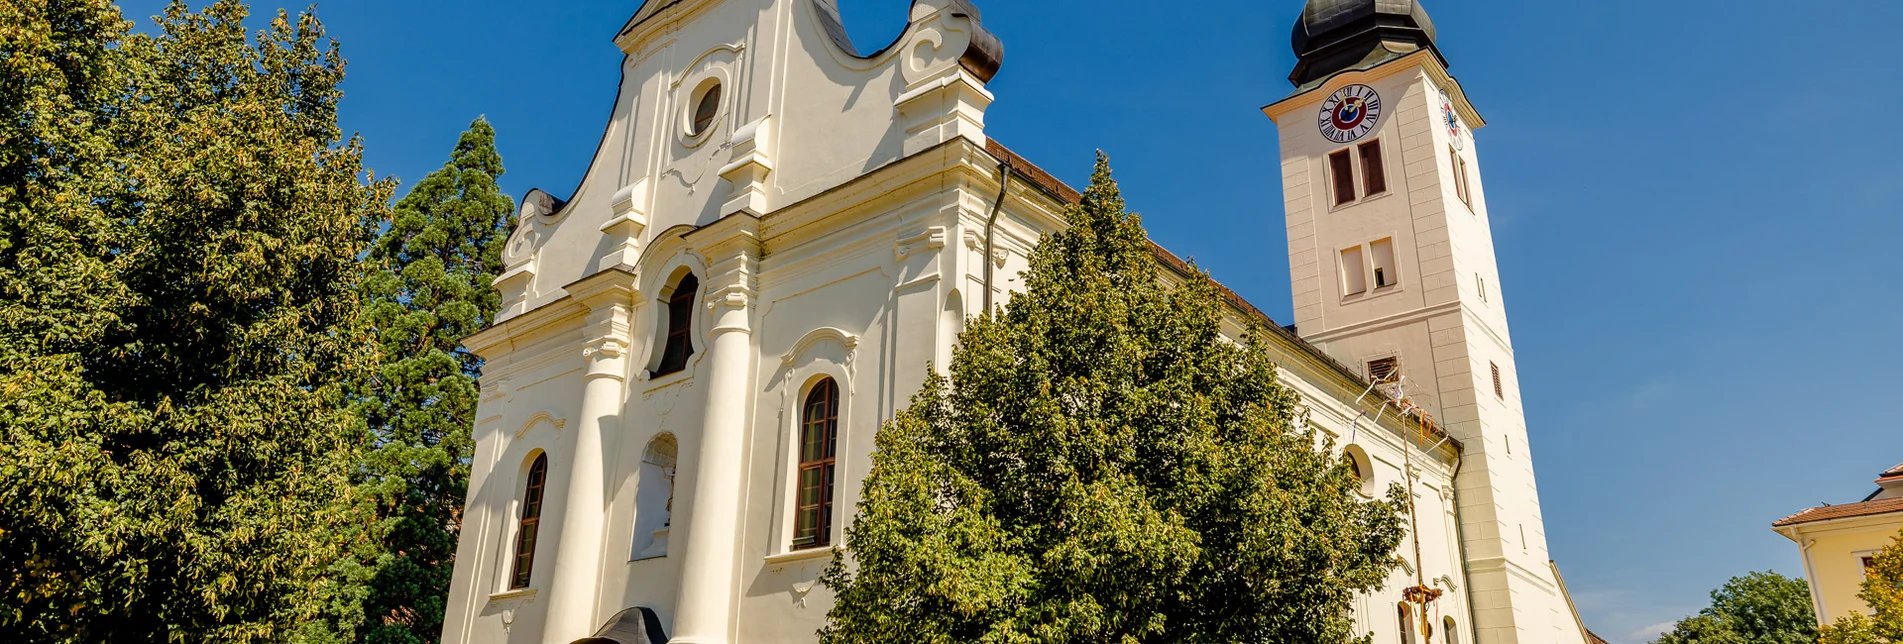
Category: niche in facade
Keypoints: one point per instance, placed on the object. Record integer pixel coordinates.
(654, 498)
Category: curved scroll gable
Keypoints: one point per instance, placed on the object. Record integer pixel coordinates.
(983, 54)
(536, 219)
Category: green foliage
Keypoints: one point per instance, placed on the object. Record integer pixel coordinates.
(1883, 593)
(180, 228)
(438, 257)
(1103, 466)
(1758, 608)
(1703, 629)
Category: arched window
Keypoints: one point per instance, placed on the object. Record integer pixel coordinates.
(1407, 623)
(819, 434)
(531, 523)
(1449, 633)
(678, 344)
(1361, 467)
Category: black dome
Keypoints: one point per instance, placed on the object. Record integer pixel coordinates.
(1337, 35)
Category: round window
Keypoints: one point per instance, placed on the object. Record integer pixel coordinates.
(706, 110)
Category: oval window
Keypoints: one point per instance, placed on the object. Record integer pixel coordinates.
(706, 110)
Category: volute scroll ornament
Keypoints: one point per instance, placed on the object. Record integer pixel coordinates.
(609, 348)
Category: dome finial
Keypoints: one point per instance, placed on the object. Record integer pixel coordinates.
(1338, 35)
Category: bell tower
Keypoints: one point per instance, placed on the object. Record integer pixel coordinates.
(1393, 269)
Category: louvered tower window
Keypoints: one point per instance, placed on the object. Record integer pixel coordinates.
(1384, 369)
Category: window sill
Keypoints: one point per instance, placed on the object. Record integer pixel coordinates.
(1363, 200)
(1364, 296)
(657, 383)
(519, 593)
(801, 556)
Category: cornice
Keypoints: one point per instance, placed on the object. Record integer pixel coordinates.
(1423, 60)
(834, 207)
(1377, 324)
(500, 337)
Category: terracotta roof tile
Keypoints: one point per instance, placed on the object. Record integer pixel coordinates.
(1894, 471)
(1594, 638)
(1030, 173)
(1845, 511)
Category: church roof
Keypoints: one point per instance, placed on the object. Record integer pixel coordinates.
(1845, 511)
(1028, 172)
(1333, 36)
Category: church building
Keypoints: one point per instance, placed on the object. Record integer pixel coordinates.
(780, 233)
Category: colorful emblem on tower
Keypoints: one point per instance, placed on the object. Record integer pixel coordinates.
(1350, 113)
(1452, 119)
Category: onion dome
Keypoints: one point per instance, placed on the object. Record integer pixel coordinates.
(1340, 35)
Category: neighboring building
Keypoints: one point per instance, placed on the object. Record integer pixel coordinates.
(779, 236)
(1838, 541)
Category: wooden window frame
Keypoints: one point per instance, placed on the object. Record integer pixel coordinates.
(706, 110)
(1461, 187)
(528, 528)
(677, 346)
(1374, 172)
(818, 468)
(1405, 611)
(1499, 388)
(1341, 174)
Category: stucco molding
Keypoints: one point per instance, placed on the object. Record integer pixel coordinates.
(975, 241)
(543, 417)
(930, 239)
(813, 339)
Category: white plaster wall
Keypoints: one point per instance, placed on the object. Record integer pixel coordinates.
(869, 257)
(1446, 335)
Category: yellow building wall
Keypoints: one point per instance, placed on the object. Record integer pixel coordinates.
(1833, 560)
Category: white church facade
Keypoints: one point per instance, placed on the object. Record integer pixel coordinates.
(779, 235)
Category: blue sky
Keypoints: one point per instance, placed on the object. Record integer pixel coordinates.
(1696, 209)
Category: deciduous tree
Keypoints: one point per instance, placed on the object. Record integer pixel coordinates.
(180, 229)
(1103, 465)
(1758, 608)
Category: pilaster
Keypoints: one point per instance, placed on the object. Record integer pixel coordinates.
(708, 591)
(610, 297)
(944, 107)
(747, 172)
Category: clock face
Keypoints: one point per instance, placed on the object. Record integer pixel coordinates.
(1452, 120)
(1350, 114)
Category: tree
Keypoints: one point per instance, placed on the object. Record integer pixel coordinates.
(1883, 593)
(1758, 608)
(1102, 465)
(178, 321)
(439, 256)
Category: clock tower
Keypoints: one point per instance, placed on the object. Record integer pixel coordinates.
(1393, 268)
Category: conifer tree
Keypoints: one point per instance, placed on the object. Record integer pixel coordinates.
(439, 256)
(1883, 593)
(1102, 465)
(178, 321)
